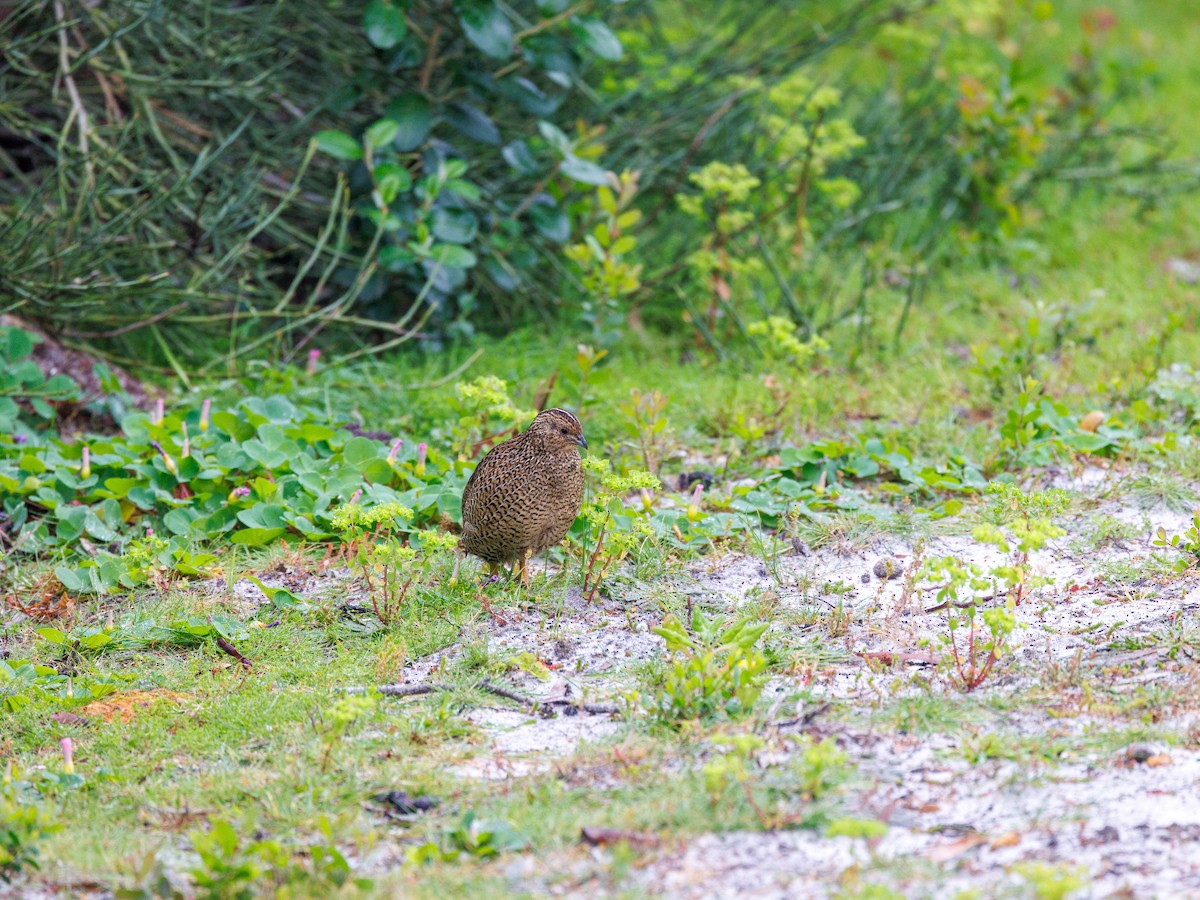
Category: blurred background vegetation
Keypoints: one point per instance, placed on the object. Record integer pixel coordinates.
(192, 186)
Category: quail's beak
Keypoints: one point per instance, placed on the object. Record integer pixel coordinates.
(581, 441)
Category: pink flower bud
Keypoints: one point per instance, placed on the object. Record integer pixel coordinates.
(85, 467)
(354, 497)
(68, 752)
(313, 357)
(422, 450)
(205, 409)
(158, 412)
(696, 492)
(396, 445)
(187, 443)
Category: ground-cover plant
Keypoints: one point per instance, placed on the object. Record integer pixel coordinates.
(23, 825)
(231, 866)
(1187, 543)
(1021, 524)
(795, 794)
(472, 837)
(714, 669)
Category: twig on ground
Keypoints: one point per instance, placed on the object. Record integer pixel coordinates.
(531, 704)
(234, 652)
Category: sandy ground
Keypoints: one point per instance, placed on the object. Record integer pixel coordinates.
(1127, 818)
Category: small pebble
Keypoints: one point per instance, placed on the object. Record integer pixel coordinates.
(885, 568)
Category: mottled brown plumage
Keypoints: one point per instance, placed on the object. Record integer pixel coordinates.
(525, 493)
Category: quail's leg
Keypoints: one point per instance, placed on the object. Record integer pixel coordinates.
(525, 568)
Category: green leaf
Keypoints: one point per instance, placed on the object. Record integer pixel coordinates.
(451, 256)
(486, 26)
(583, 171)
(391, 180)
(256, 537)
(384, 23)
(360, 449)
(518, 156)
(554, 136)
(381, 132)
(18, 344)
(473, 123)
(413, 117)
(598, 38)
(455, 226)
(53, 635)
(338, 144)
(551, 222)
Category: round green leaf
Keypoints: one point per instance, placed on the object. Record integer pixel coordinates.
(551, 222)
(452, 256)
(384, 22)
(455, 226)
(413, 118)
(390, 180)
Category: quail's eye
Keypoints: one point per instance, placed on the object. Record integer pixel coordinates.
(563, 430)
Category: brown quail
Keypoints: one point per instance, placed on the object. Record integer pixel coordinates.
(525, 493)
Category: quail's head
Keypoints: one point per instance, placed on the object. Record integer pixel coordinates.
(558, 430)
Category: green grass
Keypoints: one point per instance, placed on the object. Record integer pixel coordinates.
(260, 747)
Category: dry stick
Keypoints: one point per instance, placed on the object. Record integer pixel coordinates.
(64, 64)
(132, 326)
(414, 690)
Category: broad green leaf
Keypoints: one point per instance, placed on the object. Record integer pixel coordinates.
(413, 118)
(598, 38)
(583, 170)
(472, 122)
(391, 180)
(452, 256)
(454, 226)
(381, 132)
(257, 537)
(518, 156)
(338, 144)
(384, 23)
(486, 26)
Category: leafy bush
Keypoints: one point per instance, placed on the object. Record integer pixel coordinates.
(22, 826)
(462, 170)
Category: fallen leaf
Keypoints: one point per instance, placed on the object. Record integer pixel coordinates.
(1159, 759)
(946, 852)
(1091, 421)
(1005, 840)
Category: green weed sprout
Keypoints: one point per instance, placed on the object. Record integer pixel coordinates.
(714, 670)
(613, 529)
